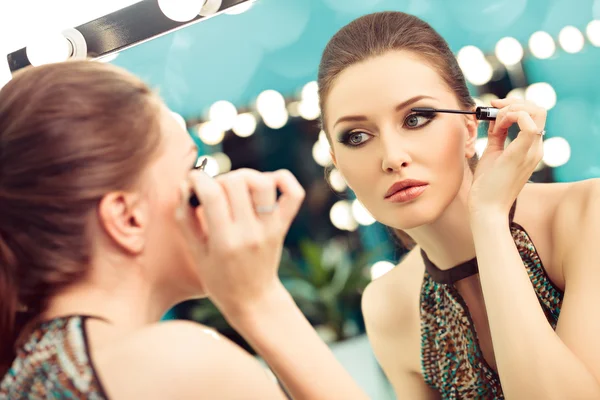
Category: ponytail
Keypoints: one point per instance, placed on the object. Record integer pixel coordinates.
(9, 303)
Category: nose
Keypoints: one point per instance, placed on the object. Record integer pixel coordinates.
(395, 154)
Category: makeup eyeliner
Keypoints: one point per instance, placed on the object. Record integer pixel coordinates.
(481, 113)
(194, 201)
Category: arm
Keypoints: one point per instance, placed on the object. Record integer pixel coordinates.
(394, 337)
(239, 251)
(279, 332)
(533, 360)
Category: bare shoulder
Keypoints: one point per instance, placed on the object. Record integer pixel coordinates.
(578, 211)
(179, 360)
(391, 310)
(393, 299)
(539, 202)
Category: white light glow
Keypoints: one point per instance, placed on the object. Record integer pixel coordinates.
(361, 214)
(180, 120)
(244, 125)
(542, 94)
(223, 161)
(224, 114)
(276, 119)
(557, 152)
(212, 166)
(516, 93)
(310, 91)
(210, 133)
(381, 268)
(480, 145)
(321, 153)
(337, 181)
(294, 108)
(469, 55)
(509, 51)
(269, 101)
(487, 98)
(240, 8)
(51, 47)
(181, 10)
(309, 109)
(22, 20)
(593, 32)
(476, 68)
(571, 39)
(341, 216)
(542, 45)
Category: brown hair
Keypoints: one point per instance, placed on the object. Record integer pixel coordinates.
(375, 34)
(69, 133)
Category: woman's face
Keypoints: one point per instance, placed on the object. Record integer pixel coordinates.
(377, 141)
(166, 249)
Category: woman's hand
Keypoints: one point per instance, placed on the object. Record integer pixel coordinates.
(237, 233)
(501, 173)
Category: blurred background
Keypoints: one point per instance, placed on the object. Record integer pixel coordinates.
(243, 83)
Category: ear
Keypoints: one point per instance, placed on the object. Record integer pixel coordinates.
(124, 218)
(472, 125)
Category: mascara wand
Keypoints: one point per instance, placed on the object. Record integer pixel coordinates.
(481, 113)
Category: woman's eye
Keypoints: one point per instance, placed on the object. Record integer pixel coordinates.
(357, 137)
(416, 120)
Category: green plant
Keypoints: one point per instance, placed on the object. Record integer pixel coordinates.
(325, 280)
(327, 284)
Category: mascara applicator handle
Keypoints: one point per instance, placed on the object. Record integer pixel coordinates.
(486, 113)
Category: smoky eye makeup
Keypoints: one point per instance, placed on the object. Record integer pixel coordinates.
(346, 137)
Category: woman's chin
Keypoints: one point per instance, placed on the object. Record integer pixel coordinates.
(409, 221)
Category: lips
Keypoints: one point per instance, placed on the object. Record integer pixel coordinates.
(406, 190)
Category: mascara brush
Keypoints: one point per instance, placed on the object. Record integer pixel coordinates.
(481, 113)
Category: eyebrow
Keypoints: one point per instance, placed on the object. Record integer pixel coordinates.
(404, 104)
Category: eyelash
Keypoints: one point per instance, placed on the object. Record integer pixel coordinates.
(344, 138)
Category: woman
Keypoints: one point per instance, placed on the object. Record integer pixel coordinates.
(473, 310)
(97, 242)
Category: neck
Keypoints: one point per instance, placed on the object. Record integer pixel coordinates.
(127, 300)
(448, 241)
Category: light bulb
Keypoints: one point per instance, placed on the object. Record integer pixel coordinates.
(224, 114)
(268, 101)
(571, 39)
(210, 133)
(244, 125)
(593, 32)
(381, 268)
(341, 216)
(337, 181)
(542, 45)
(321, 153)
(509, 51)
(542, 94)
(181, 10)
(49, 48)
(361, 214)
(557, 152)
(240, 8)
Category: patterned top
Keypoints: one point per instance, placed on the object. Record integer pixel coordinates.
(53, 363)
(451, 358)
